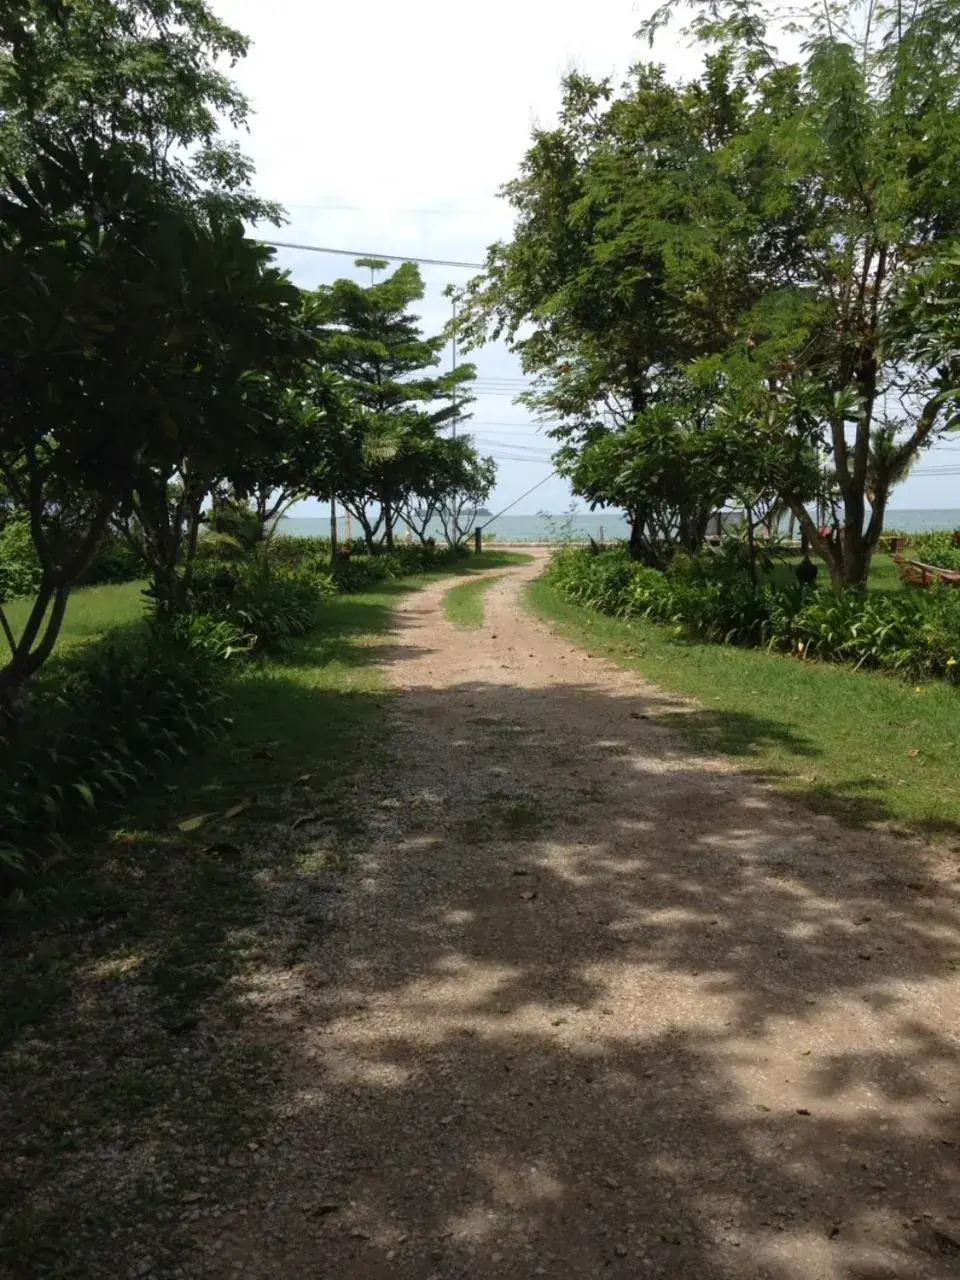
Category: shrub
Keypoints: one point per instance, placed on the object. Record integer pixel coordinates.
(916, 633)
(270, 606)
(940, 549)
(361, 572)
(104, 725)
(19, 566)
(115, 560)
(291, 551)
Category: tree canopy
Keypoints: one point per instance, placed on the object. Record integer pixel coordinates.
(386, 453)
(757, 230)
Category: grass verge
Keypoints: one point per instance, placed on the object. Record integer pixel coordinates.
(91, 612)
(463, 605)
(861, 746)
(884, 575)
(136, 1085)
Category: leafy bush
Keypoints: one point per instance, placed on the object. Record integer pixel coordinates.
(270, 606)
(104, 725)
(19, 566)
(915, 633)
(115, 560)
(360, 573)
(940, 549)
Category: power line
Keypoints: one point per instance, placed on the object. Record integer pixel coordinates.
(510, 507)
(517, 425)
(356, 253)
(533, 462)
(438, 210)
(485, 443)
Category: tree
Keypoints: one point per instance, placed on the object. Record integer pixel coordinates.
(376, 347)
(766, 221)
(588, 291)
(241, 340)
(844, 189)
(294, 457)
(456, 481)
(90, 274)
(466, 492)
(137, 76)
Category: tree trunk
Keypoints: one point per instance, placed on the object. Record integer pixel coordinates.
(751, 546)
(388, 523)
(27, 659)
(333, 524)
(188, 555)
(368, 532)
(848, 556)
(636, 545)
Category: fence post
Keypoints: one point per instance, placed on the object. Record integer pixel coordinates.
(478, 539)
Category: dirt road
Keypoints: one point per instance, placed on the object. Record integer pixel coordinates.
(593, 1006)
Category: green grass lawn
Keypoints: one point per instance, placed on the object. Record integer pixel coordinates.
(463, 605)
(861, 746)
(91, 612)
(883, 573)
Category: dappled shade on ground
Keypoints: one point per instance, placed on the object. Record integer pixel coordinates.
(586, 1004)
(592, 1003)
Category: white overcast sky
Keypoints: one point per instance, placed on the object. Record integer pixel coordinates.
(389, 128)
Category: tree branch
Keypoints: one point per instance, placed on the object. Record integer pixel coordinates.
(8, 632)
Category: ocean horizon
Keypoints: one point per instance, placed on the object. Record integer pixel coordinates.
(607, 526)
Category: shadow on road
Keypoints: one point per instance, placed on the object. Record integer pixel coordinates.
(677, 1029)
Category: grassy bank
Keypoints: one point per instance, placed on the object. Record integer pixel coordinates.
(861, 746)
(135, 1079)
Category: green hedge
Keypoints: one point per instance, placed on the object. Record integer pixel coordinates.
(934, 548)
(114, 561)
(913, 633)
(269, 605)
(113, 716)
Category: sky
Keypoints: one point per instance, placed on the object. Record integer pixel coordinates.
(387, 128)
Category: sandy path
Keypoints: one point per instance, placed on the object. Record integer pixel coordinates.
(593, 1006)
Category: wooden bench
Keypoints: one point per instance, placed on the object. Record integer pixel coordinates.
(919, 574)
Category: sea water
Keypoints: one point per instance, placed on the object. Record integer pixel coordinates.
(603, 526)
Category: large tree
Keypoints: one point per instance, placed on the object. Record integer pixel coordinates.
(456, 481)
(242, 339)
(91, 275)
(776, 212)
(374, 343)
(593, 291)
(842, 181)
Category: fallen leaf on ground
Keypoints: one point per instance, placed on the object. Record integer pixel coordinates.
(192, 824)
(305, 818)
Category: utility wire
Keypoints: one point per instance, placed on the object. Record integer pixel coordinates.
(435, 210)
(388, 257)
(539, 483)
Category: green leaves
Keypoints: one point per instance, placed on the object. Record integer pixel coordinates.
(386, 450)
(122, 711)
(914, 634)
